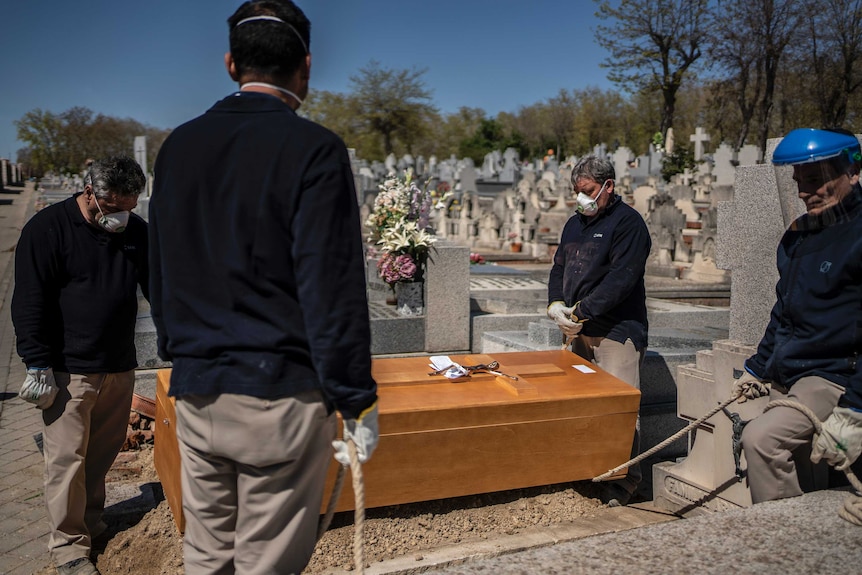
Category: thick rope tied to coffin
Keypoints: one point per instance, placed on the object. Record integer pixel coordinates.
(852, 510)
(667, 441)
(359, 506)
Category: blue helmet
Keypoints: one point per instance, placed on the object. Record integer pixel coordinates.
(807, 145)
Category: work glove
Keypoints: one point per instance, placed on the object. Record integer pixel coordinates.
(750, 387)
(561, 314)
(39, 387)
(364, 432)
(840, 440)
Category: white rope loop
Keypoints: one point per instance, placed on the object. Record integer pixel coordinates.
(852, 509)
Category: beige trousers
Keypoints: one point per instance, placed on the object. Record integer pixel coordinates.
(252, 478)
(777, 444)
(83, 431)
(623, 361)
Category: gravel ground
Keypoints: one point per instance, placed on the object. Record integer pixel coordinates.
(151, 545)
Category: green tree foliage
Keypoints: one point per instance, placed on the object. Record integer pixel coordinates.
(63, 142)
(677, 162)
(652, 45)
(489, 136)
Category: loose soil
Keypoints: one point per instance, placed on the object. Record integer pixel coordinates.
(151, 545)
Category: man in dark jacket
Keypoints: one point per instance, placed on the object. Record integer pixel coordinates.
(810, 350)
(258, 297)
(596, 287)
(78, 265)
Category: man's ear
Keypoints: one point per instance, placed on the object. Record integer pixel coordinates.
(230, 65)
(306, 70)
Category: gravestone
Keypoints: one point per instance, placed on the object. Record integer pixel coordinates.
(699, 138)
(510, 165)
(467, 179)
(622, 157)
(391, 164)
(749, 155)
(724, 169)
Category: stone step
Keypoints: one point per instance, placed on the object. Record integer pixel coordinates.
(705, 360)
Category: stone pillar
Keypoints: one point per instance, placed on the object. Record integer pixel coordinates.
(4, 173)
(447, 298)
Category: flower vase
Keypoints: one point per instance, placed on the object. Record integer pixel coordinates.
(410, 297)
(515, 247)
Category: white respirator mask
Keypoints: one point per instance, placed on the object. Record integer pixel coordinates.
(115, 222)
(587, 205)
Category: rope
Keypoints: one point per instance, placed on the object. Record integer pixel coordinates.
(666, 442)
(852, 509)
(333, 500)
(359, 506)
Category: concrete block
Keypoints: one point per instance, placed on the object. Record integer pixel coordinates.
(545, 333)
(447, 303)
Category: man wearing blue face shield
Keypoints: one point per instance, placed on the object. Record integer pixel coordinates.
(810, 350)
(596, 288)
(78, 265)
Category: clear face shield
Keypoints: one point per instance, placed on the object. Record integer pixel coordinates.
(814, 174)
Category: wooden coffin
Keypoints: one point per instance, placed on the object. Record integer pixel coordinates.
(166, 452)
(442, 438)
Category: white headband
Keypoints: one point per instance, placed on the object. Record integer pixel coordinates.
(274, 19)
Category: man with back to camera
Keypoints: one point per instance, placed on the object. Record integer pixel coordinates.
(596, 290)
(258, 297)
(77, 268)
(810, 349)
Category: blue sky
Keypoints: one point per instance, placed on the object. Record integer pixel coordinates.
(161, 61)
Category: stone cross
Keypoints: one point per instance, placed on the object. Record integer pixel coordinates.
(699, 137)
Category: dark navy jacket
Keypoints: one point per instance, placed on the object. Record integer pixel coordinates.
(75, 299)
(258, 281)
(601, 263)
(815, 328)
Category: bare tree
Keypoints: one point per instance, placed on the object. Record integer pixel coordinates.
(653, 44)
(392, 103)
(830, 54)
(749, 40)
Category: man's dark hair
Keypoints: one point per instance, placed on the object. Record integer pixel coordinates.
(268, 49)
(119, 175)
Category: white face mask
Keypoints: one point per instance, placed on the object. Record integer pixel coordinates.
(115, 222)
(587, 205)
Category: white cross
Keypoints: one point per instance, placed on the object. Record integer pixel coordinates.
(699, 137)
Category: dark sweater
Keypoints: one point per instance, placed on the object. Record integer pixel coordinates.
(75, 299)
(600, 263)
(258, 277)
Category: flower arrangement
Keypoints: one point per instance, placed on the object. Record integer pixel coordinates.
(513, 238)
(399, 228)
(476, 259)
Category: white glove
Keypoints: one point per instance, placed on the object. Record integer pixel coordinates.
(364, 432)
(749, 387)
(840, 440)
(39, 387)
(561, 314)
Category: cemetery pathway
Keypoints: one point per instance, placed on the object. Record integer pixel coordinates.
(22, 509)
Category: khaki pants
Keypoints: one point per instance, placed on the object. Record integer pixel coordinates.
(623, 361)
(84, 430)
(252, 478)
(777, 444)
